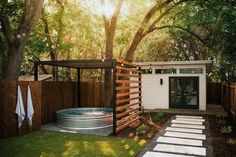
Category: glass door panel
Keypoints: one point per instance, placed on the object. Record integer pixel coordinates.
(184, 92)
(191, 91)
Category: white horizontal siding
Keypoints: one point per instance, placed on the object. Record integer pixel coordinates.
(157, 96)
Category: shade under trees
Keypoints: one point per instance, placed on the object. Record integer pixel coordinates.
(142, 30)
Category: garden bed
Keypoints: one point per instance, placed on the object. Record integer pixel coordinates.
(150, 132)
(220, 141)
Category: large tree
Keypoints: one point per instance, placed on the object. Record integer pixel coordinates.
(54, 41)
(17, 22)
(110, 24)
(151, 23)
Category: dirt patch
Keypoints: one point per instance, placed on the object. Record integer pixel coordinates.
(219, 141)
(150, 132)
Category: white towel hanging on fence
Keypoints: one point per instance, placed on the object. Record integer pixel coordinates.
(30, 108)
(20, 111)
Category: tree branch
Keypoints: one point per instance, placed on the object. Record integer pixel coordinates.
(116, 14)
(166, 12)
(105, 19)
(154, 9)
(184, 29)
(6, 28)
(31, 14)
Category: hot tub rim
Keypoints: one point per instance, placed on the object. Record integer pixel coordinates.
(108, 110)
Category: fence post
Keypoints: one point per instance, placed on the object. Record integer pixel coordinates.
(78, 86)
(35, 71)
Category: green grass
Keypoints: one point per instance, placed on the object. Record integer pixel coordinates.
(56, 144)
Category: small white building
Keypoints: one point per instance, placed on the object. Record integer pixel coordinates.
(175, 84)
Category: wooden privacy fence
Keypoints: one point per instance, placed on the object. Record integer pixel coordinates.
(229, 98)
(58, 95)
(48, 97)
(213, 93)
(8, 99)
(91, 94)
(127, 92)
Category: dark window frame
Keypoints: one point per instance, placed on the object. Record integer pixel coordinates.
(166, 71)
(191, 70)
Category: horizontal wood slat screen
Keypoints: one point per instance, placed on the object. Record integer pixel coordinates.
(127, 112)
(127, 87)
(128, 75)
(127, 106)
(126, 124)
(128, 69)
(127, 63)
(126, 118)
(127, 81)
(126, 100)
(128, 94)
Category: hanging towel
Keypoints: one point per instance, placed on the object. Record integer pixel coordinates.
(30, 108)
(20, 111)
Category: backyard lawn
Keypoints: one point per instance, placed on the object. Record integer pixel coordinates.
(47, 143)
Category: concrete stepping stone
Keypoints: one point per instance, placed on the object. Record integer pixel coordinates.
(188, 126)
(188, 119)
(193, 117)
(181, 141)
(181, 149)
(186, 122)
(159, 154)
(185, 135)
(197, 131)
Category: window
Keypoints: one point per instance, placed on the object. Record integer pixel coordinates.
(165, 71)
(146, 71)
(191, 71)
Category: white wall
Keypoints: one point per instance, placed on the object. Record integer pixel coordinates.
(156, 96)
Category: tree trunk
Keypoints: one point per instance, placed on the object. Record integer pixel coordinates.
(14, 61)
(137, 39)
(108, 73)
(3, 59)
(110, 27)
(54, 68)
(16, 40)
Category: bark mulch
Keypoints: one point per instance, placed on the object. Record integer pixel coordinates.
(151, 131)
(221, 147)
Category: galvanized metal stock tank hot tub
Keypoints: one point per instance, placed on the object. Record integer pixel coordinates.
(84, 118)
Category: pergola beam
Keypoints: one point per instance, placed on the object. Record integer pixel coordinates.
(81, 64)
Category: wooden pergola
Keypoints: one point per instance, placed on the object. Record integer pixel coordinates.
(126, 99)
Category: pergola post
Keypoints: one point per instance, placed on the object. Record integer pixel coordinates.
(35, 71)
(140, 89)
(78, 86)
(114, 99)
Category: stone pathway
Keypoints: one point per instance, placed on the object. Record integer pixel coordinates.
(184, 137)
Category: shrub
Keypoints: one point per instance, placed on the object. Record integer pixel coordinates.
(221, 118)
(159, 115)
(231, 141)
(141, 129)
(222, 121)
(150, 121)
(225, 130)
